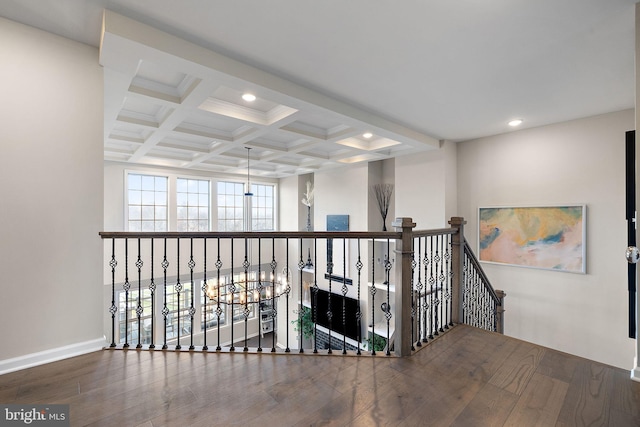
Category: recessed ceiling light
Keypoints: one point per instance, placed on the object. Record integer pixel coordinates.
(249, 97)
(515, 122)
(367, 135)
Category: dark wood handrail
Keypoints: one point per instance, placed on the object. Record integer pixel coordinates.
(272, 234)
(252, 234)
(435, 232)
(496, 295)
(481, 273)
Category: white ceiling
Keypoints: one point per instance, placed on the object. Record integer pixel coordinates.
(412, 72)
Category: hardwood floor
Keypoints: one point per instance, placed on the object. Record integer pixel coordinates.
(467, 377)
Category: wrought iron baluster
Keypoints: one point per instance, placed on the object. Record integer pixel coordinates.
(449, 273)
(260, 289)
(436, 308)
(113, 309)
(415, 296)
(425, 296)
(344, 295)
(359, 266)
(485, 308)
(218, 294)
(441, 279)
(372, 291)
(165, 309)
(432, 281)
(232, 290)
(474, 299)
(467, 290)
(246, 264)
(126, 288)
(205, 294)
(301, 308)
(178, 289)
(314, 304)
(139, 309)
(468, 287)
(286, 291)
(192, 308)
(472, 287)
(387, 310)
(274, 266)
(494, 314)
(329, 312)
(152, 290)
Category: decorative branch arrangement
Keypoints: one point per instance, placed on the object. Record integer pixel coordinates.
(307, 200)
(308, 196)
(383, 194)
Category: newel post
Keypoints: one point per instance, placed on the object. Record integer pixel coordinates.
(457, 267)
(403, 279)
(500, 312)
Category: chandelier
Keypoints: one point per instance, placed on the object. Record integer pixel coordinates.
(248, 287)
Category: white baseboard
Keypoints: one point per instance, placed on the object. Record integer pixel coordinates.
(635, 373)
(52, 355)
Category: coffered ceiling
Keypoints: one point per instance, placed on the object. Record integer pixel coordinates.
(324, 73)
(174, 103)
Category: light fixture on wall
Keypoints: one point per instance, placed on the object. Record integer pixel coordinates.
(248, 193)
(515, 122)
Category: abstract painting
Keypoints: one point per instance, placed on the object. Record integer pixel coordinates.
(548, 237)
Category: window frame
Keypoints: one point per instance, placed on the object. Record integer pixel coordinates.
(209, 182)
(172, 195)
(243, 207)
(256, 197)
(127, 204)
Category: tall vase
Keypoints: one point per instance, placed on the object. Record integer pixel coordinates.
(308, 218)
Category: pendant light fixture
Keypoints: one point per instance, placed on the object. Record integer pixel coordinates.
(248, 193)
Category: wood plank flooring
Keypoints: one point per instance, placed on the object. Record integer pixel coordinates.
(467, 377)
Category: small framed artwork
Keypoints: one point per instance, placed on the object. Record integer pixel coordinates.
(547, 237)
(338, 249)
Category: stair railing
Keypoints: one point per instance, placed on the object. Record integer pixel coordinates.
(210, 291)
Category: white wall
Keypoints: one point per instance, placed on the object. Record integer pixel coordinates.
(581, 161)
(342, 191)
(52, 196)
(426, 187)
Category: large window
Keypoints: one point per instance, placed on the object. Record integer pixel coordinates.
(230, 206)
(181, 311)
(196, 204)
(146, 202)
(262, 210)
(128, 313)
(193, 204)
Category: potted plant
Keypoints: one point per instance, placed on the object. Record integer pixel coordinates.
(304, 322)
(377, 342)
